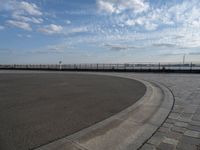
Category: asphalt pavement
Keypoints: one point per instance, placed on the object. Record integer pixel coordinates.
(38, 108)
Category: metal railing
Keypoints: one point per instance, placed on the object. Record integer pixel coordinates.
(134, 67)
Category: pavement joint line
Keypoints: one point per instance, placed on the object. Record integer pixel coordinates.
(80, 137)
(77, 144)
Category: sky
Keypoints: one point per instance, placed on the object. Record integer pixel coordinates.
(99, 31)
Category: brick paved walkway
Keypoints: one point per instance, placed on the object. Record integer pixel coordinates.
(181, 130)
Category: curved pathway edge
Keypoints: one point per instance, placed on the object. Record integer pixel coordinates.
(127, 130)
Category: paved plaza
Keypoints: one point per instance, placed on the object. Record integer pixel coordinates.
(181, 130)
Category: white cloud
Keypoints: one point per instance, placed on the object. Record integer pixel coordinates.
(19, 24)
(165, 45)
(30, 8)
(137, 6)
(165, 41)
(119, 47)
(195, 23)
(144, 14)
(142, 21)
(118, 6)
(78, 30)
(137, 21)
(22, 13)
(21, 7)
(26, 36)
(58, 29)
(183, 14)
(130, 22)
(75, 30)
(151, 26)
(107, 6)
(51, 29)
(20, 17)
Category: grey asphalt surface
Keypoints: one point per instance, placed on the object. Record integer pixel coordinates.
(36, 109)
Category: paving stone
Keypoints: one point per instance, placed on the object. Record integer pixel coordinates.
(183, 146)
(193, 134)
(174, 116)
(164, 129)
(165, 146)
(177, 98)
(195, 98)
(186, 115)
(178, 109)
(182, 102)
(171, 121)
(198, 110)
(185, 119)
(195, 101)
(198, 147)
(157, 138)
(189, 140)
(174, 135)
(196, 117)
(188, 143)
(181, 124)
(194, 123)
(167, 125)
(179, 102)
(170, 141)
(190, 109)
(178, 129)
(194, 128)
(148, 147)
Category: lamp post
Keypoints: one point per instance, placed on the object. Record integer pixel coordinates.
(60, 65)
(183, 59)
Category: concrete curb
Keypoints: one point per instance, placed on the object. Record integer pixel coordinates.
(127, 130)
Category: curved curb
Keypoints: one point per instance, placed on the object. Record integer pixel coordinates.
(127, 130)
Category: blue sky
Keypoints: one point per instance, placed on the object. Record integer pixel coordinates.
(99, 31)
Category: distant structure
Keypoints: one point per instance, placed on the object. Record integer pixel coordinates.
(60, 65)
(184, 59)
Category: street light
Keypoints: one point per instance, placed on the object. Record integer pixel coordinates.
(183, 59)
(60, 65)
